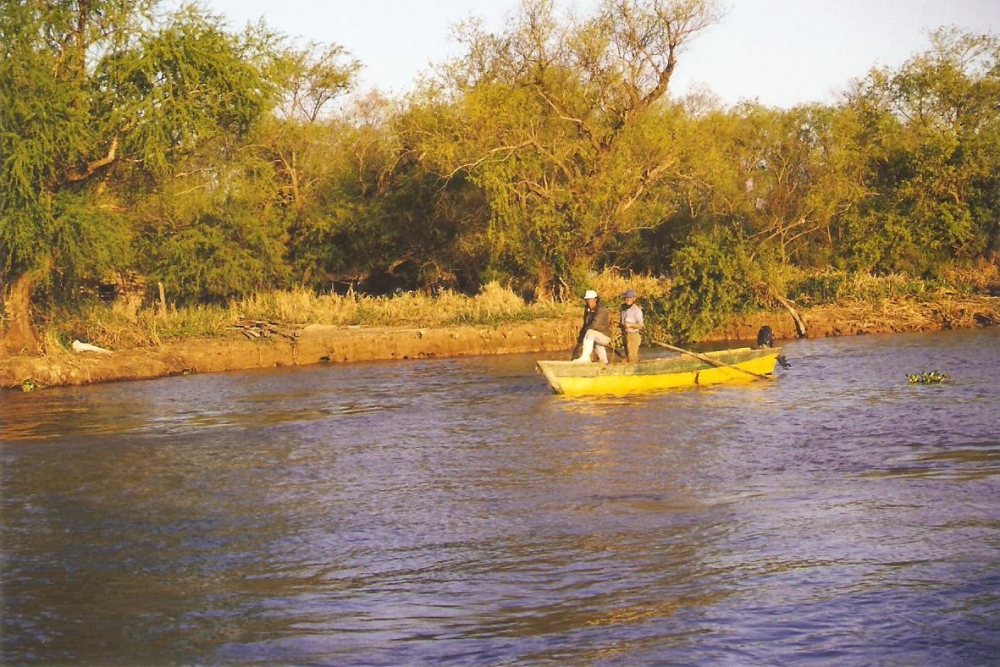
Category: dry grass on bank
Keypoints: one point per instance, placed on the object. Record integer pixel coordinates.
(835, 286)
(494, 304)
(944, 311)
(132, 323)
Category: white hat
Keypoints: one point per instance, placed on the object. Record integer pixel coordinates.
(590, 294)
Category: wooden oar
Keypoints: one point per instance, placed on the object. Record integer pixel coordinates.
(710, 360)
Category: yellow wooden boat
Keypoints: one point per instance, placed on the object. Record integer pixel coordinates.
(736, 365)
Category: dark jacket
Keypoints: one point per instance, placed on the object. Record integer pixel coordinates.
(597, 319)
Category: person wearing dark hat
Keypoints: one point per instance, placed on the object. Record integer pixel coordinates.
(596, 329)
(630, 322)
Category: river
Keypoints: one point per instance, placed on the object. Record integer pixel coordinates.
(456, 512)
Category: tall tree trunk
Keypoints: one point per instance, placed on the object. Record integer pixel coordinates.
(17, 336)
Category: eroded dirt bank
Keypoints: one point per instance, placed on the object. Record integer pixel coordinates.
(309, 345)
(857, 319)
(332, 344)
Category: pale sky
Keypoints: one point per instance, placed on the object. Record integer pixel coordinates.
(779, 52)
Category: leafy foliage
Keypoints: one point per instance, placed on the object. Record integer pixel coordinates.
(710, 281)
(98, 101)
(550, 125)
(935, 143)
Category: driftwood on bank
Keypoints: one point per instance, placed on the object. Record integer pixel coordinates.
(262, 329)
(800, 326)
(768, 293)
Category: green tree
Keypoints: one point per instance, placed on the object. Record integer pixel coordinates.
(214, 229)
(933, 128)
(548, 119)
(97, 100)
(261, 228)
(296, 136)
(800, 171)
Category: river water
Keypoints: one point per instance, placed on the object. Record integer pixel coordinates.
(456, 512)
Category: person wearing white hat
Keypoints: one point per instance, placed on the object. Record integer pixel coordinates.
(596, 329)
(630, 322)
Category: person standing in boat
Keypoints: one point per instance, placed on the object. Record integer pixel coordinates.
(596, 329)
(630, 322)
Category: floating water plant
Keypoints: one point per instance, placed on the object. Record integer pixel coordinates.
(932, 377)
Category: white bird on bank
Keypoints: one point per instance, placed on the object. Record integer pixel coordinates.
(87, 347)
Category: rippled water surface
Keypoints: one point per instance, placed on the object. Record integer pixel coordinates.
(454, 511)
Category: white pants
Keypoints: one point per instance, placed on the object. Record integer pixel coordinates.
(590, 339)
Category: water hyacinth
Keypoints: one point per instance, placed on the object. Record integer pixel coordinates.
(932, 377)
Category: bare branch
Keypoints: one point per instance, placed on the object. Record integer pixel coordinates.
(92, 167)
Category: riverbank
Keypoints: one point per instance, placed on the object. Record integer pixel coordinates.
(269, 347)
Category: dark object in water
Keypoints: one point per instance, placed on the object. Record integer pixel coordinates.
(765, 337)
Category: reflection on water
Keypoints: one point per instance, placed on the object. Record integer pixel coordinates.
(456, 511)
